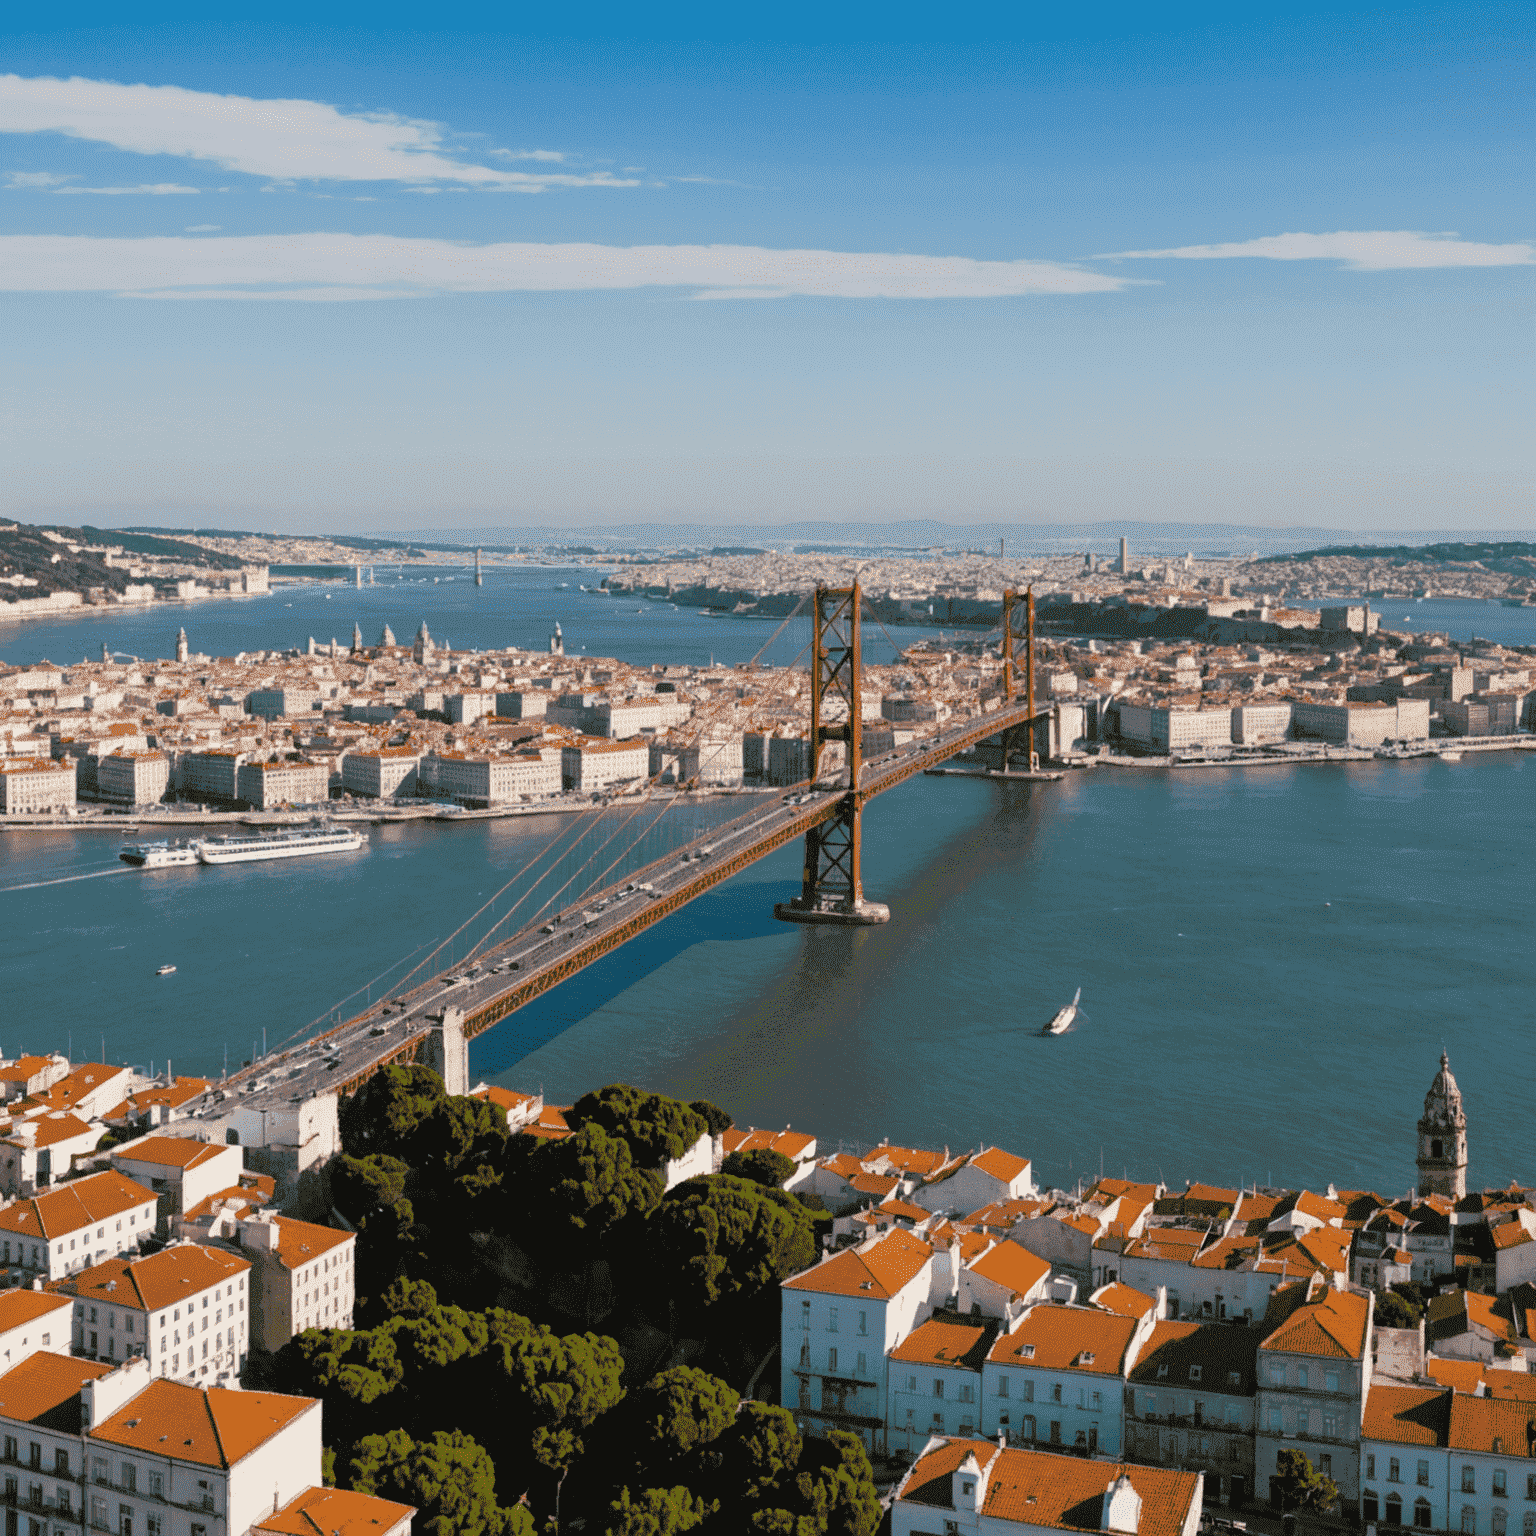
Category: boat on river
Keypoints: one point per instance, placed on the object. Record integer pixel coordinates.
(297, 844)
(162, 855)
(1062, 1020)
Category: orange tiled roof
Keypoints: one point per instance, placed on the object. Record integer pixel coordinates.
(161, 1280)
(45, 1389)
(942, 1342)
(1123, 1299)
(1003, 1213)
(1333, 1326)
(1057, 1492)
(68, 1091)
(1011, 1266)
(1490, 1424)
(71, 1206)
(212, 1426)
(49, 1129)
(1406, 1415)
(1068, 1338)
(299, 1242)
(22, 1305)
(793, 1144)
(168, 1151)
(1001, 1165)
(334, 1512)
(1461, 1375)
(879, 1271)
(503, 1098)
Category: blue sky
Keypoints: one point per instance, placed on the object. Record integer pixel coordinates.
(1257, 264)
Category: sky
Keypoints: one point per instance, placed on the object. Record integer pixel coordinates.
(344, 270)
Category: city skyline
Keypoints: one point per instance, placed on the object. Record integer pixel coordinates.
(1187, 269)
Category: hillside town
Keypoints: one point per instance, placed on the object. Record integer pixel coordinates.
(1120, 1357)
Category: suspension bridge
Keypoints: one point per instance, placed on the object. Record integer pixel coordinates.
(433, 1019)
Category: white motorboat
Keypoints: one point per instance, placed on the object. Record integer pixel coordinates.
(158, 855)
(1062, 1021)
(1450, 757)
(279, 845)
(166, 970)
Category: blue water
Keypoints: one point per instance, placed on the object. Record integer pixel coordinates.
(1271, 959)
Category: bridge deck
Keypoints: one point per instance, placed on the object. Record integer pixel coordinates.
(542, 955)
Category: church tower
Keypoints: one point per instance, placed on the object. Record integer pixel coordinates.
(181, 644)
(1443, 1137)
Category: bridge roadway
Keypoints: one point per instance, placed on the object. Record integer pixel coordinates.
(542, 955)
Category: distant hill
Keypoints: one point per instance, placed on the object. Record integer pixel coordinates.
(1513, 556)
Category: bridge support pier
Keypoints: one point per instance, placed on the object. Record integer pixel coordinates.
(446, 1051)
(831, 888)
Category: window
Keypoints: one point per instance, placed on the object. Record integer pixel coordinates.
(1330, 1426)
(98, 1469)
(1500, 1491)
(1098, 1401)
(1055, 1391)
(1332, 1381)
(1528, 1526)
(1500, 1522)
(1027, 1426)
(938, 1386)
(98, 1511)
(1468, 1520)
(805, 1314)
(130, 1478)
(1276, 1424)
(1029, 1391)
(831, 1319)
(864, 1323)
(1301, 1375)
(1468, 1480)
(1394, 1470)
(1394, 1509)
(61, 1463)
(1301, 1421)
(1370, 1466)
(1423, 1474)
(1002, 1386)
(1421, 1513)
(125, 1520)
(1149, 1404)
(1194, 1373)
(34, 1454)
(832, 1358)
(1370, 1510)
(967, 1392)
(1277, 1373)
(1325, 1465)
(860, 1368)
(1530, 1485)
(1055, 1431)
(156, 1485)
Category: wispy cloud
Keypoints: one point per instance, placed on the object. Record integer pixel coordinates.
(290, 141)
(152, 189)
(203, 229)
(331, 266)
(36, 181)
(1374, 250)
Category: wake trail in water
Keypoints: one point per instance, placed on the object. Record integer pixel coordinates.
(33, 885)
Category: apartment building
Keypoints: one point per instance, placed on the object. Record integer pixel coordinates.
(840, 1320)
(29, 1321)
(981, 1179)
(210, 775)
(115, 1449)
(31, 785)
(88, 1091)
(68, 1229)
(935, 1378)
(1190, 1403)
(302, 1276)
(180, 1170)
(487, 780)
(589, 765)
(184, 1309)
(1359, 724)
(389, 771)
(264, 785)
(337, 1512)
(133, 778)
(36, 1151)
(1314, 1376)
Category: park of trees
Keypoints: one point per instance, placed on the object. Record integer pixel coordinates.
(543, 1334)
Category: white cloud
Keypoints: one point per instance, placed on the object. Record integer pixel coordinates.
(1375, 250)
(35, 181)
(154, 189)
(203, 229)
(377, 266)
(288, 141)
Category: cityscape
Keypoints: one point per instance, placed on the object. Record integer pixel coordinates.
(767, 775)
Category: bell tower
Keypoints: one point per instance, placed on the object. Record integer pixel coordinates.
(1442, 1156)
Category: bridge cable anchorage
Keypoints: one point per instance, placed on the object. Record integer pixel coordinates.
(831, 886)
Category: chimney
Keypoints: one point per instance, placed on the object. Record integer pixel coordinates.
(106, 1394)
(1122, 1508)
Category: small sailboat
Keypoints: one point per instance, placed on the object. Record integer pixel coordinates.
(1062, 1021)
(166, 970)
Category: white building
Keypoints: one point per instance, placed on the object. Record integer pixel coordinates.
(1254, 725)
(590, 765)
(29, 785)
(1362, 724)
(389, 771)
(211, 775)
(840, 1320)
(492, 780)
(76, 1225)
(41, 1149)
(264, 785)
(982, 1179)
(184, 1309)
(1058, 1378)
(119, 1450)
(1314, 1374)
(180, 1169)
(133, 778)
(302, 1276)
(977, 1488)
(1168, 728)
(935, 1380)
(29, 1321)
(339, 1512)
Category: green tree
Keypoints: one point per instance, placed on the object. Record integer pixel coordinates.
(1301, 1485)
(674, 1414)
(656, 1127)
(385, 1113)
(656, 1512)
(370, 1193)
(753, 1458)
(582, 1187)
(720, 1246)
(712, 1115)
(1394, 1311)
(449, 1478)
(763, 1166)
(839, 1494)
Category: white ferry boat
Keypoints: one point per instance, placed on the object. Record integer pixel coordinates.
(158, 855)
(278, 845)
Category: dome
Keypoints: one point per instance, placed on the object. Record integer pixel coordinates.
(1442, 1104)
